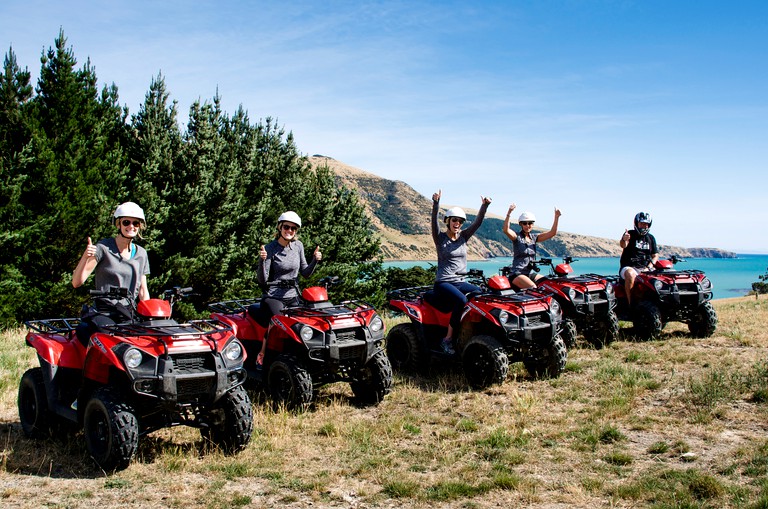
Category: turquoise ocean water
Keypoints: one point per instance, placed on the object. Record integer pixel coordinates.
(731, 277)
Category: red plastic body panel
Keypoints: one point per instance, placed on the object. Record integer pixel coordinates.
(315, 294)
(154, 308)
(58, 349)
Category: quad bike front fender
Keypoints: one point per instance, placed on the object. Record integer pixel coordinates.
(100, 358)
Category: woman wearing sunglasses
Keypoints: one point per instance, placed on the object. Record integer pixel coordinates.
(115, 261)
(281, 262)
(524, 247)
(451, 246)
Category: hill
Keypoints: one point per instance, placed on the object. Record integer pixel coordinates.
(400, 215)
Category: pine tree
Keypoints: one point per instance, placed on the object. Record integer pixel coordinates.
(154, 153)
(75, 171)
(15, 94)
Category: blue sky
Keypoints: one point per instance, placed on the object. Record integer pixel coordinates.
(601, 108)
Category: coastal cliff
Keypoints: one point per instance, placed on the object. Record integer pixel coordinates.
(397, 213)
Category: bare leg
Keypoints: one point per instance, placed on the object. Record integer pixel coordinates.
(523, 282)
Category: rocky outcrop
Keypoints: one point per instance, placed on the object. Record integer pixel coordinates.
(400, 216)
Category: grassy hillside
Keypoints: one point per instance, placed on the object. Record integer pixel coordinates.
(676, 422)
(401, 217)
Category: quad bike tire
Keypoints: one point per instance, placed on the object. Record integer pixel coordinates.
(289, 384)
(646, 320)
(603, 332)
(549, 361)
(374, 381)
(36, 419)
(404, 349)
(230, 424)
(485, 362)
(568, 332)
(704, 322)
(111, 429)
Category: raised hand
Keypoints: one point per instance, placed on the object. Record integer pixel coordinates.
(262, 253)
(557, 213)
(625, 237)
(437, 195)
(317, 254)
(90, 249)
(486, 200)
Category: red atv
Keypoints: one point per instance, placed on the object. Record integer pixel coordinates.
(313, 344)
(587, 300)
(666, 295)
(134, 378)
(498, 326)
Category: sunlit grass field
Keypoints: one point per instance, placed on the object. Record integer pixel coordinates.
(671, 423)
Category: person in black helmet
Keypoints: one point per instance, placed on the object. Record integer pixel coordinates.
(640, 252)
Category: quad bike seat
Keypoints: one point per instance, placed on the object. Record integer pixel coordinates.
(436, 302)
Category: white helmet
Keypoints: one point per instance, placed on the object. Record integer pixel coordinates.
(454, 212)
(290, 216)
(526, 216)
(129, 209)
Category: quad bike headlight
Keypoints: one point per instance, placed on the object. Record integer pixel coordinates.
(554, 307)
(306, 333)
(377, 324)
(132, 358)
(506, 319)
(658, 285)
(575, 295)
(609, 289)
(706, 284)
(233, 351)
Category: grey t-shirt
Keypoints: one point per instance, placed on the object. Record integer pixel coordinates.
(452, 254)
(284, 264)
(114, 270)
(524, 252)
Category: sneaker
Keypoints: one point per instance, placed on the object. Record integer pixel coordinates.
(73, 406)
(447, 346)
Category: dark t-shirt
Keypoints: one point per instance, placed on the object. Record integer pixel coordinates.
(639, 250)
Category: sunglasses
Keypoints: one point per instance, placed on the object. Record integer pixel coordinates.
(128, 222)
(526, 223)
(457, 220)
(289, 227)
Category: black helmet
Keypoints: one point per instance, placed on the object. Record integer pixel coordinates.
(643, 217)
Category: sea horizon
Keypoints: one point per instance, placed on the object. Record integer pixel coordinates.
(731, 277)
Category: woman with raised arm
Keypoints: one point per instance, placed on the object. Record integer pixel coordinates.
(524, 247)
(118, 262)
(280, 263)
(451, 245)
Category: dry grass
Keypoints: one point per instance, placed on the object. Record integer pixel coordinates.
(676, 422)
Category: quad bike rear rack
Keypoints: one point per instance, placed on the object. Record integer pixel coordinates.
(411, 294)
(53, 325)
(231, 307)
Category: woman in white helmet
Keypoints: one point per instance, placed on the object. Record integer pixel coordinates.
(451, 246)
(114, 261)
(281, 262)
(524, 247)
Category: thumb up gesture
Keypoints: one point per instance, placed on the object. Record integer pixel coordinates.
(317, 254)
(262, 253)
(625, 237)
(90, 249)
